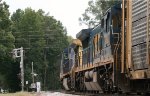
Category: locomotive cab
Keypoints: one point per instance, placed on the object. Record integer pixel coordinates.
(69, 63)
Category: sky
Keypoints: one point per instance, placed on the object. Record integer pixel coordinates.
(66, 11)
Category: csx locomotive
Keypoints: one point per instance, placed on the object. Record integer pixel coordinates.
(114, 55)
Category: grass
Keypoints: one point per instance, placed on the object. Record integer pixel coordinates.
(18, 94)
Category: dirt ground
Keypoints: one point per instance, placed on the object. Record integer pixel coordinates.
(53, 94)
(36, 94)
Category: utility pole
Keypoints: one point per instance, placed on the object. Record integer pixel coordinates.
(32, 74)
(33, 80)
(22, 68)
(18, 53)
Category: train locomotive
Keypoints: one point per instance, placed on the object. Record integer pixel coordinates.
(114, 55)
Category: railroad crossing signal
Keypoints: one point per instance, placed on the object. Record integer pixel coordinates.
(18, 53)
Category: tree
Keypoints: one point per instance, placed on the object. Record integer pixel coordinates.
(6, 46)
(95, 11)
(70, 38)
(6, 37)
(43, 39)
(56, 41)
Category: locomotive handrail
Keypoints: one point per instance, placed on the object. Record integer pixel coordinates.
(116, 47)
(66, 62)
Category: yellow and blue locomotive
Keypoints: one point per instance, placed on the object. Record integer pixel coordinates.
(114, 55)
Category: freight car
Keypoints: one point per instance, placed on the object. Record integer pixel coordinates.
(113, 56)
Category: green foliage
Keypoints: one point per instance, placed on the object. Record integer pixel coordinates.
(43, 39)
(6, 37)
(6, 45)
(95, 11)
(70, 38)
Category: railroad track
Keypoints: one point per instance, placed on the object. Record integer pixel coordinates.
(104, 94)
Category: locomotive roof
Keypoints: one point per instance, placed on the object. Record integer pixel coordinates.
(114, 9)
(83, 34)
(75, 42)
(95, 30)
